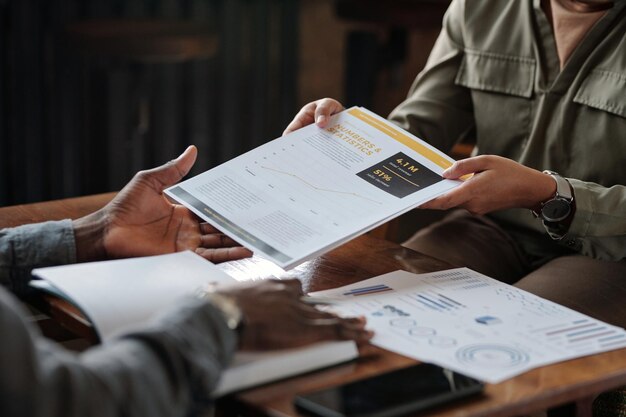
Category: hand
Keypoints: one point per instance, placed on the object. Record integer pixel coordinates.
(276, 318)
(318, 111)
(498, 183)
(140, 221)
(216, 247)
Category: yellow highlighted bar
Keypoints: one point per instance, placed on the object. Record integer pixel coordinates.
(425, 151)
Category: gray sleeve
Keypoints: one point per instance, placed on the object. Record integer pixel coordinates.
(32, 246)
(168, 369)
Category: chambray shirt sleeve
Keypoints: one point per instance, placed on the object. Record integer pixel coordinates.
(32, 246)
(437, 109)
(168, 369)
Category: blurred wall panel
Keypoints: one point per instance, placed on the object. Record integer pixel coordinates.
(72, 124)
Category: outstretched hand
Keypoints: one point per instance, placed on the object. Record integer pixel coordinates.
(498, 183)
(317, 112)
(141, 221)
(275, 317)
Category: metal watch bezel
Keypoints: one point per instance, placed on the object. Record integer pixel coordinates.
(559, 203)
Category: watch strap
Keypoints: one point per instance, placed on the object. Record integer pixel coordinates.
(557, 228)
(233, 316)
(563, 189)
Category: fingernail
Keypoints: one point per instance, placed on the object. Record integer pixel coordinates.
(320, 119)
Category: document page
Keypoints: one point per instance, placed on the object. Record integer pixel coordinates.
(471, 323)
(307, 192)
(123, 295)
(120, 295)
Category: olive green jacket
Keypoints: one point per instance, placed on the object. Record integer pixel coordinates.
(494, 73)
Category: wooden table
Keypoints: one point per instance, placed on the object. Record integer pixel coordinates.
(572, 382)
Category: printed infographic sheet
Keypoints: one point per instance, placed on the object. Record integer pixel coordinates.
(471, 323)
(307, 192)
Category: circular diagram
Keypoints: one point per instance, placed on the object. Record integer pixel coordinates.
(402, 323)
(442, 341)
(491, 356)
(422, 331)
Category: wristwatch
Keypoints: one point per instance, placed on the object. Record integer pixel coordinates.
(554, 211)
(228, 307)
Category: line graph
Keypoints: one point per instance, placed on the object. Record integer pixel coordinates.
(314, 187)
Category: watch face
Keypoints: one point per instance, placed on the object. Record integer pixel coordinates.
(555, 210)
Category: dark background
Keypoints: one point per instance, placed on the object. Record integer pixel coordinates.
(73, 123)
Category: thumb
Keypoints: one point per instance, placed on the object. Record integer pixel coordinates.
(465, 166)
(174, 170)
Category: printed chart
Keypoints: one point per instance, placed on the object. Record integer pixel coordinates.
(471, 323)
(297, 196)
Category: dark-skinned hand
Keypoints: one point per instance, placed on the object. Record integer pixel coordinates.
(141, 221)
(276, 318)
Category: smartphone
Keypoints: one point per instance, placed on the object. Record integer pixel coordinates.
(390, 394)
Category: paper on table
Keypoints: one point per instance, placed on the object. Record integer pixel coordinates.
(305, 193)
(122, 295)
(471, 323)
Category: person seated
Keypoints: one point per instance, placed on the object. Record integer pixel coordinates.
(171, 366)
(539, 85)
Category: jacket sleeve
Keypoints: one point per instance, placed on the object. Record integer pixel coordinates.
(168, 369)
(32, 246)
(438, 110)
(598, 228)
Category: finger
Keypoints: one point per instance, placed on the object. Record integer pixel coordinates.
(224, 254)
(363, 337)
(174, 170)
(304, 118)
(453, 198)
(343, 329)
(311, 312)
(206, 228)
(467, 166)
(314, 315)
(351, 323)
(434, 204)
(338, 324)
(439, 203)
(326, 108)
(294, 286)
(368, 350)
(184, 163)
(356, 323)
(217, 240)
(354, 329)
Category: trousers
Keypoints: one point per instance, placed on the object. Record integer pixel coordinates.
(593, 287)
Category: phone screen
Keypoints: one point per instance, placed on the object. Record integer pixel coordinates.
(390, 394)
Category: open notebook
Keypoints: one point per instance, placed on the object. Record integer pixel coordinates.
(121, 295)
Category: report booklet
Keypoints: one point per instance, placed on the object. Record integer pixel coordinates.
(120, 296)
(307, 192)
